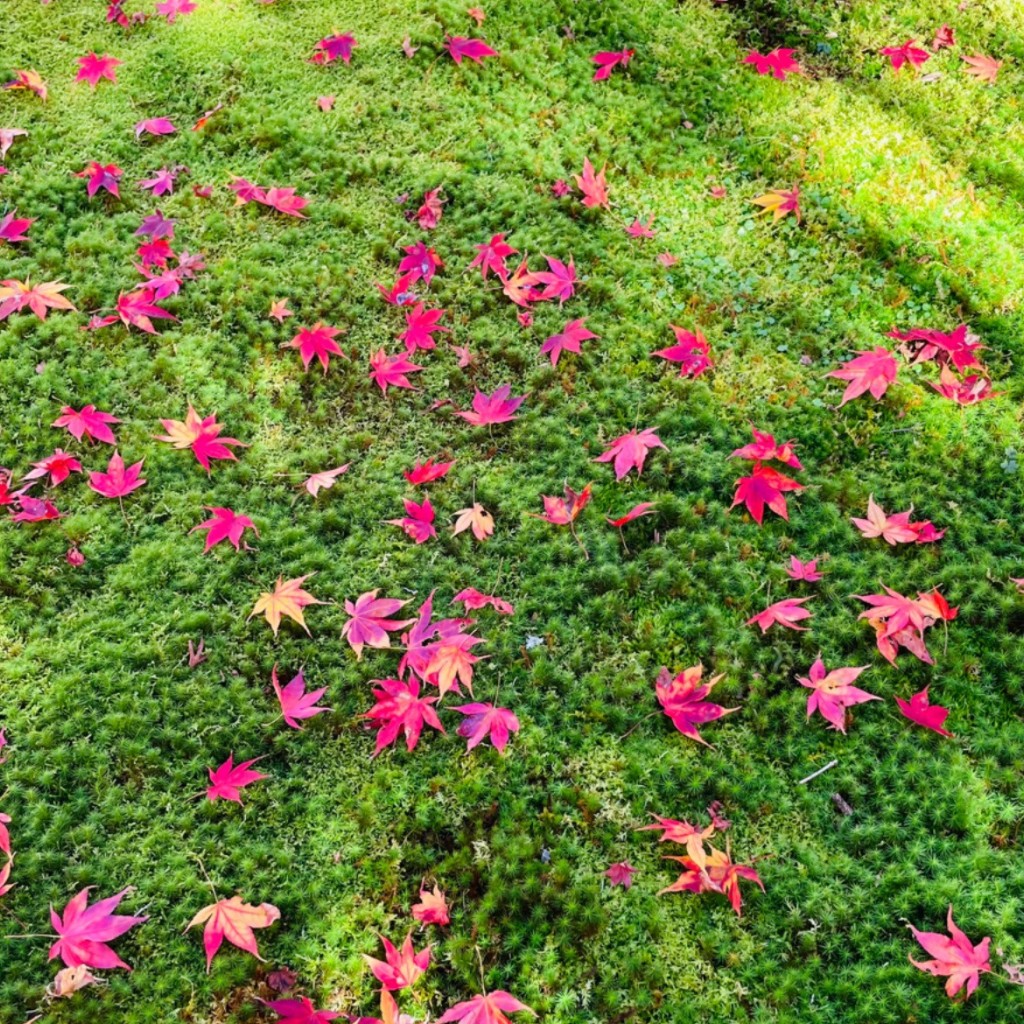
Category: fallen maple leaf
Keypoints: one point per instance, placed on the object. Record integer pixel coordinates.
(118, 480)
(608, 60)
(870, 371)
(427, 472)
(518, 286)
(421, 260)
(170, 9)
(765, 486)
(473, 600)
(485, 721)
(12, 227)
(945, 38)
(27, 78)
(18, 295)
(401, 710)
(897, 528)
(485, 1009)
(85, 931)
(957, 959)
(722, 875)
(391, 371)
(778, 63)
(418, 521)
(287, 598)
(432, 907)
(105, 176)
(779, 202)
(161, 184)
(491, 256)
(568, 340)
(401, 967)
(225, 525)
(317, 342)
(316, 482)
(201, 435)
(295, 702)
(498, 407)
(920, 712)
(70, 980)
(473, 49)
(682, 698)
(233, 920)
(58, 467)
(786, 613)
(155, 126)
(806, 571)
(645, 508)
(369, 622)
(34, 510)
(593, 185)
(137, 309)
(621, 874)
(299, 1011)
(764, 448)
(630, 451)
(833, 692)
(908, 53)
(475, 518)
(982, 68)
(564, 511)
(420, 325)
(279, 310)
(638, 230)
(558, 280)
(92, 68)
(333, 48)
(227, 781)
(691, 351)
(969, 391)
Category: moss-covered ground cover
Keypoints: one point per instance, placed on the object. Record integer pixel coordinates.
(911, 188)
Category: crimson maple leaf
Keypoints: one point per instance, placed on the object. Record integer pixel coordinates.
(833, 692)
(558, 281)
(58, 466)
(919, 711)
(162, 183)
(137, 309)
(593, 185)
(399, 294)
(621, 874)
(299, 1011)
(682, 698)
(969, 391)
(155, 126)
(92, 68)
(473, 49)
(568, 340)
(638, 230)
(333, 48)
(390, 371)
(870, 371)
(420, 325)
(225, 525)
(401, 710)
(691, 351)
(722, 875)
(764, 448)
(34, 510)
(473, 599)
(630, 450)
(418, 521)
(420, 259)
(779, 63)
(427, 472)
(899, 612)
(564, 511)
(491, 256)
(765, 486)
(786, 613)
(485, 1009)
(284, 200)
(317, 342)
(296, 703)
(85, 931)
(682, 832)
(608, 60)
(484, 721)
(105, 176)
(956, 958)
(202, 436)
(12, 227)
(233, 920)
(227, 781)
(645, 508)
(432, 907)
(118, 480)
(498, 407)
(18, 295)
(401, 967)
(908, 53)
(369, 622)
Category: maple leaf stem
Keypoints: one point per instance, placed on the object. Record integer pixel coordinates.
(575, 537)
(209, 882)
(28, 935)
(634, 728)
(480, 962)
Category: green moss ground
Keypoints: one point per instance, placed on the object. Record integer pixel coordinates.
(912, 193)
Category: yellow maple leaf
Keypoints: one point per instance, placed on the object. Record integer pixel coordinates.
(287, 598)
(780, 201)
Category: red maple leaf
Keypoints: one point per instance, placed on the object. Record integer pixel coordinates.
(138, 309)
(401, 710)
(118, 480)
(491, 256)
(683, 699)
(155, 126)
(473, 49)
(969, 391)
(233, 920)
(870, 371)
(202, 436)
(418, 521)
(764, 448)
(92, 68)
(225, 525)
(12, 227)
(105, 176)
(519, 285)
(420, 323)
(722, 875)
(227, 781)
(58, 467)
(34, 510)
(317, 342)
(498, 407)
(369, 621)
(908, 53)
(421, 260)
(779, 63)
(284, 200)
(919, 711)
(296, 703)
(427, 472)
(621, 874)
(806, 571)
(390, 371)
(428, 216)
(399, 294)
(473, 599)
(630, 451)
(333, 48)
(592, 185)
(608, 60)
(786, 613)
(564, 511)
(568, 340)
(401, 967)
(765, 486)
(85, 931)
(39, 299)
(956, 958)
(432, 908)
(88, 421)
(558, 281)
(485, 1009)
(485, 721)
(645, 508)
(691, 351)
(299, 1011)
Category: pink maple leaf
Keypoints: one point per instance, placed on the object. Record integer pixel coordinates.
(296, 703)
